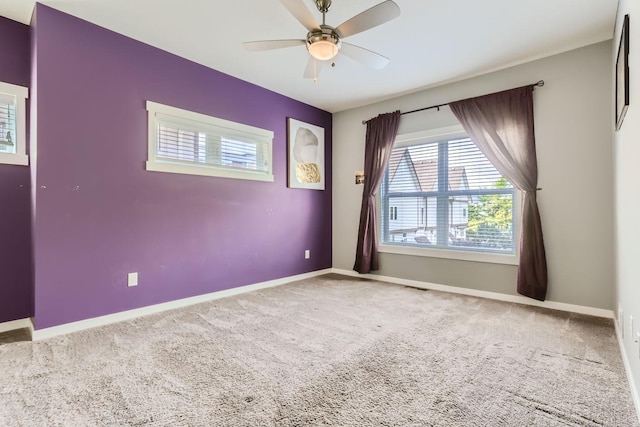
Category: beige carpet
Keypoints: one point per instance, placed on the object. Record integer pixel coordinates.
(325, 351)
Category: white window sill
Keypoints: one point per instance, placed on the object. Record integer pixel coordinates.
(207, 171)
(14, 159)
(493, 258)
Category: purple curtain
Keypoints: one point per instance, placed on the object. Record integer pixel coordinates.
(381, 133)
(501, 125)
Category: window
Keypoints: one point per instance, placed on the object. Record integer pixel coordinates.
(448, 196)
(393, 210)
(181, 141)
(13, 128)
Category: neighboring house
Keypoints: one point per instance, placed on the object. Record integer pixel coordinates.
(414, 218)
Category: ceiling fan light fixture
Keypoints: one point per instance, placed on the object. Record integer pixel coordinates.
(323, 50)
(324, 42)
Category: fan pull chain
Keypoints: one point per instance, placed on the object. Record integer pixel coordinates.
(315, 71)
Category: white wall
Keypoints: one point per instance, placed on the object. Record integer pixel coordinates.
(573, 118)
(627, 192)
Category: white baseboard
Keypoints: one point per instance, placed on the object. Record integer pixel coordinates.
(16, 324)
(130, 314)
(627, 367)
(66, 328)
(592, 311)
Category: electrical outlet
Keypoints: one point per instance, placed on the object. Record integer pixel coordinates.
(307, 254)
(132, 279)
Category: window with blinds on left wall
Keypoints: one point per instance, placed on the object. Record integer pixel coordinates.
(13, 127)
(185, 142)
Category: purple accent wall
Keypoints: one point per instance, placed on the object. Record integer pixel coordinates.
(14, 45)
(16, 292)
(100, 215)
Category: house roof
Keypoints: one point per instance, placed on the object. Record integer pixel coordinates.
(457, 178)
(427, 172)
(394, 162)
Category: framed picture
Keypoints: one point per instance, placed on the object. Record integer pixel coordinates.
(622, 74)
(305, 148)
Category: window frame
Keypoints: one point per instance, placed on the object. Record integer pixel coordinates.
(21, 95)
(232, 130)
(464, 254)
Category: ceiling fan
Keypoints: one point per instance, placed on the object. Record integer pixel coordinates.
(324, 42)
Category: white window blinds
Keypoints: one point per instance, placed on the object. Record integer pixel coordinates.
(446, 194)
(13, 144)
(192, 143)
(8, 132)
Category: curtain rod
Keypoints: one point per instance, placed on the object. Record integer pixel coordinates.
(539, 83)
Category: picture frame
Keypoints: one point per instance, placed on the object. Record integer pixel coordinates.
(305, 155)
(622, 74)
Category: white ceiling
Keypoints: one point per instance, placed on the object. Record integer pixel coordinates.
(431, 43)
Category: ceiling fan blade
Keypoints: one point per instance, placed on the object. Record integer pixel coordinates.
(313, 68)
(379, 14)
(364, 56)
(271, 44)
(301, 13)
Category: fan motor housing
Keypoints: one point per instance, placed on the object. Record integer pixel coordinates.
(326, 33)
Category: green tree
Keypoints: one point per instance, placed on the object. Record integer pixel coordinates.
(490, 218)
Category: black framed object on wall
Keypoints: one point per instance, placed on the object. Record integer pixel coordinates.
(622, 74)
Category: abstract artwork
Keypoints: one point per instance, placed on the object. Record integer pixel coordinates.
(305, 145)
